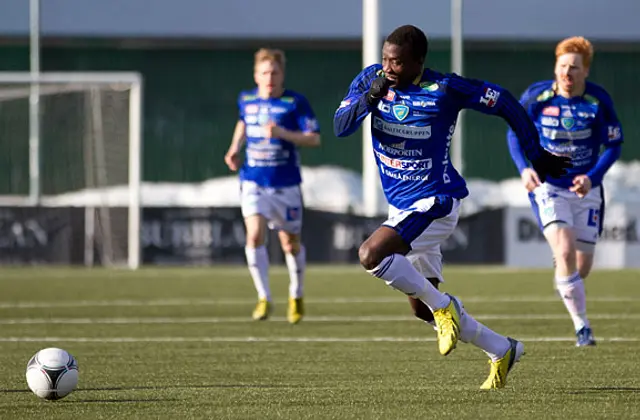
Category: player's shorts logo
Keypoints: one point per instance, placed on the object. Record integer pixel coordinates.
(594, 217)
(400, 111)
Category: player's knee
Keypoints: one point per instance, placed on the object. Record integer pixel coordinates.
(254, 241)
(584, 272)
(369, 258)
(566, 255)
(290, 247)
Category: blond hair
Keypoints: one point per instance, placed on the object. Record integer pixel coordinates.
(267, 54)
(577, 45)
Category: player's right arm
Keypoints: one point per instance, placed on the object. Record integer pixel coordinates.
(362, 98)
(232, 157)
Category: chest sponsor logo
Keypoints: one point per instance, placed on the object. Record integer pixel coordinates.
(278, 110)
(404, 164)
(423, 104)
(551, 111)
(549, 121)
(552, 134)
(399, 130)
(251, 109)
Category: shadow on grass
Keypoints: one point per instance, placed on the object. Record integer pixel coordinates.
(158, 388)
(605, 389)
(114, 400)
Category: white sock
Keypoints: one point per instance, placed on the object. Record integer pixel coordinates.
(471, 331)
(399, 273)
(258, 262)
(571, 290)
(296, 265)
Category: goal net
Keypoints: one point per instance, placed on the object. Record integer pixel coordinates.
(71, 141)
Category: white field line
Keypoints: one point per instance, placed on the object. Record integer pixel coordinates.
(313, 319)
(274, 339)
(313, 301)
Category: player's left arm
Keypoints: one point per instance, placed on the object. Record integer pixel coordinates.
(308, 133)
(492, 99)
(610, 130)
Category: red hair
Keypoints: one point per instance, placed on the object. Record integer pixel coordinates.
(577, 45)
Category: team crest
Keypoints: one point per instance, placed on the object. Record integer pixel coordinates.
(263, 118)
(568, 123)
(400, 111)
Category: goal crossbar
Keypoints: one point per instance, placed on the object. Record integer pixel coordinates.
(134, 84)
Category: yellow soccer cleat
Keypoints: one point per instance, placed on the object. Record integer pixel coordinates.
(295, 311)
(262, 311)
(447, 326)
(501, 367)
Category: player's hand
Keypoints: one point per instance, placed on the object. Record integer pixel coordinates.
(581, 185)
(548, 164)
(530, 179)
(232, 159)
(379, 88)
(273, 131)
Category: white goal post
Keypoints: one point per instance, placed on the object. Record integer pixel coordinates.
(84, 150)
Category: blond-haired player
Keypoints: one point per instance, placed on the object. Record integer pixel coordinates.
(575, 118)
(273, 122)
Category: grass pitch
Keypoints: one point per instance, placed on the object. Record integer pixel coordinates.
(179, 344)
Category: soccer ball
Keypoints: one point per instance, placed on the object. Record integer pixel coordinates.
(52, 373)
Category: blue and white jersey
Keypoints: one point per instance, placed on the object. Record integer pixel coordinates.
(576, 127)
(272, 162)
(412, 130)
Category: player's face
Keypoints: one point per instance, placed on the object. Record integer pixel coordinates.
(399, 64)
(269, 77)
(571, 74)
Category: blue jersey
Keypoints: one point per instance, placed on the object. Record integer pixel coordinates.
(272, 162)
(412, 130)
(576, 127)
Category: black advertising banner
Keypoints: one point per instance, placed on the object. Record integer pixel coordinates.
(36, 235)
(216, 235)
(206, 236)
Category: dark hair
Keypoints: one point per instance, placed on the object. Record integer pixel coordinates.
(411, 36)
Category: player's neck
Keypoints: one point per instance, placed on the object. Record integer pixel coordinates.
(275, 93)
(578, 91)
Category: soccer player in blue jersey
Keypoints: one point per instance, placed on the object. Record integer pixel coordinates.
(575, 118)
(273, 122)
(414, 112)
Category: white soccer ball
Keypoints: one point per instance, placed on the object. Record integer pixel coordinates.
(52, 373)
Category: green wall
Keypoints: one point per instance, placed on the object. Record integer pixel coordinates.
(190, 106)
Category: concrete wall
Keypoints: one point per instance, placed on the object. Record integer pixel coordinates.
(326, 19)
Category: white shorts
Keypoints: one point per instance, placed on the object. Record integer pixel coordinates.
(424, 226)
(282, 207)
(585, 215)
